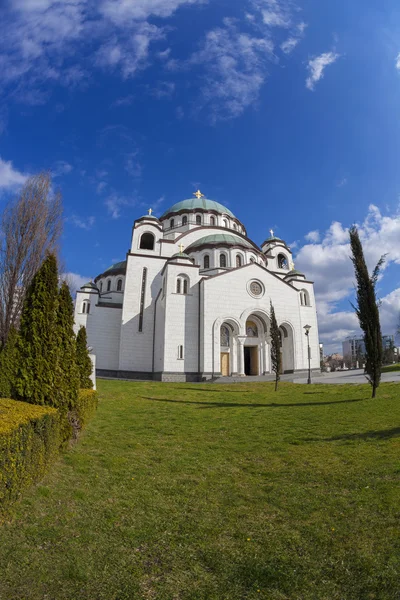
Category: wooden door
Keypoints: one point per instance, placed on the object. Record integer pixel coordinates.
(225, 364)
(254, 361)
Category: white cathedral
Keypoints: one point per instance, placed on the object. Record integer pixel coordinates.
(191, 301)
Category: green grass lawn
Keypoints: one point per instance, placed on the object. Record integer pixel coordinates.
(391, 368)
(211, 492)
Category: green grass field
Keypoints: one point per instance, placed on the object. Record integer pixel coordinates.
(211, 492)
(391, 368)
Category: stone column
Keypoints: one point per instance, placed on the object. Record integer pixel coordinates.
(240, 350)
(266, 358)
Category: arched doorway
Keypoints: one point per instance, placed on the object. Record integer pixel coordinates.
(227, 334)
(287, 348)
(255, 344)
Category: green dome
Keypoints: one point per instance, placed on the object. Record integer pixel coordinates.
(91, 285)
(118, 268)
(224, 239)
(181, 255)
(198, 203)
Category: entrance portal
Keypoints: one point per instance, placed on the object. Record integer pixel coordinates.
(251, 360)
(225, 364)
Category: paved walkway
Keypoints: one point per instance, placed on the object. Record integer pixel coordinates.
(354, 376)
(338, 377)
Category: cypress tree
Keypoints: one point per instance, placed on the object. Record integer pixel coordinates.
(8, 364)
(275, 346)
(38, 343)
(367, 311)
(83, 360)
(68, 374)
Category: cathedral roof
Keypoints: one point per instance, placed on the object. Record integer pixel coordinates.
(203, 204)
(118, 268)
(91, 285)
(222, 239)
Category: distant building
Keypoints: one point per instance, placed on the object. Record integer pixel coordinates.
(354, 348)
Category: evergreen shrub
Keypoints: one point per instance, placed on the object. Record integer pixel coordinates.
(29, 442)
(85, 408)
(8, 365)
(83, 360)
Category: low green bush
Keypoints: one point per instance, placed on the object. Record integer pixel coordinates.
(29, 441)
(85, 408)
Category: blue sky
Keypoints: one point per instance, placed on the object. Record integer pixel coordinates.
(287, 112)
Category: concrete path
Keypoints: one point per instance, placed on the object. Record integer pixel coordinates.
(354, 376)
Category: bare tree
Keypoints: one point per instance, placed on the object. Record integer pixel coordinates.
(30, 227)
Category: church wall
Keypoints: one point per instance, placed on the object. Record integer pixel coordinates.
(181, 322)
(136, 348)
(103, 332)
(219, 304)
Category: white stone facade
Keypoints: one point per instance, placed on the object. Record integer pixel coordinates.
(192, 301)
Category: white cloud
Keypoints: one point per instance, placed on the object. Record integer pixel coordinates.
(10, 178)
(342, 182)
(274, 13)
(114, 204)
(61, 167)
(328, 264)
(82, 223)
(121, 11)
(316, 67)
(313, 236)
(289, 45)
(132, 164)
(236, 65)
(75, 281)
(398, 62)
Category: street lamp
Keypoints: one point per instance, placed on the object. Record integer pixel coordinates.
(307, 328)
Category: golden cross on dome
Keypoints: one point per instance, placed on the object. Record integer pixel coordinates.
(198, 194)
(271, 232)
(150, 211)
(181, 247)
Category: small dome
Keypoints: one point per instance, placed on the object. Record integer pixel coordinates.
(90, 285)
(118, 268)
(181, 255)
(203, 204)
(222, 239)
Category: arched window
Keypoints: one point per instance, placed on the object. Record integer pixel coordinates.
(147, 241)
(252, 259)
(88, 308)
(185, 286)
(225, 336)
(172, 223)
(282, 262)
(101, 286)
(119, 285)
(84, 307)
(212, 221)
(251, 329)
(108, 285)
(184, 220)
(225, 223)
(238, 260)
(198, 219)
(235, 226)
(222, 260)
(304, 298)
(178, 286)
(206, 261)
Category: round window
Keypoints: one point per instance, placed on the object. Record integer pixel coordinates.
(256, 288)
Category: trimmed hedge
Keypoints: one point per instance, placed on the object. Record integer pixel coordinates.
(29, 442)
(85, 408)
